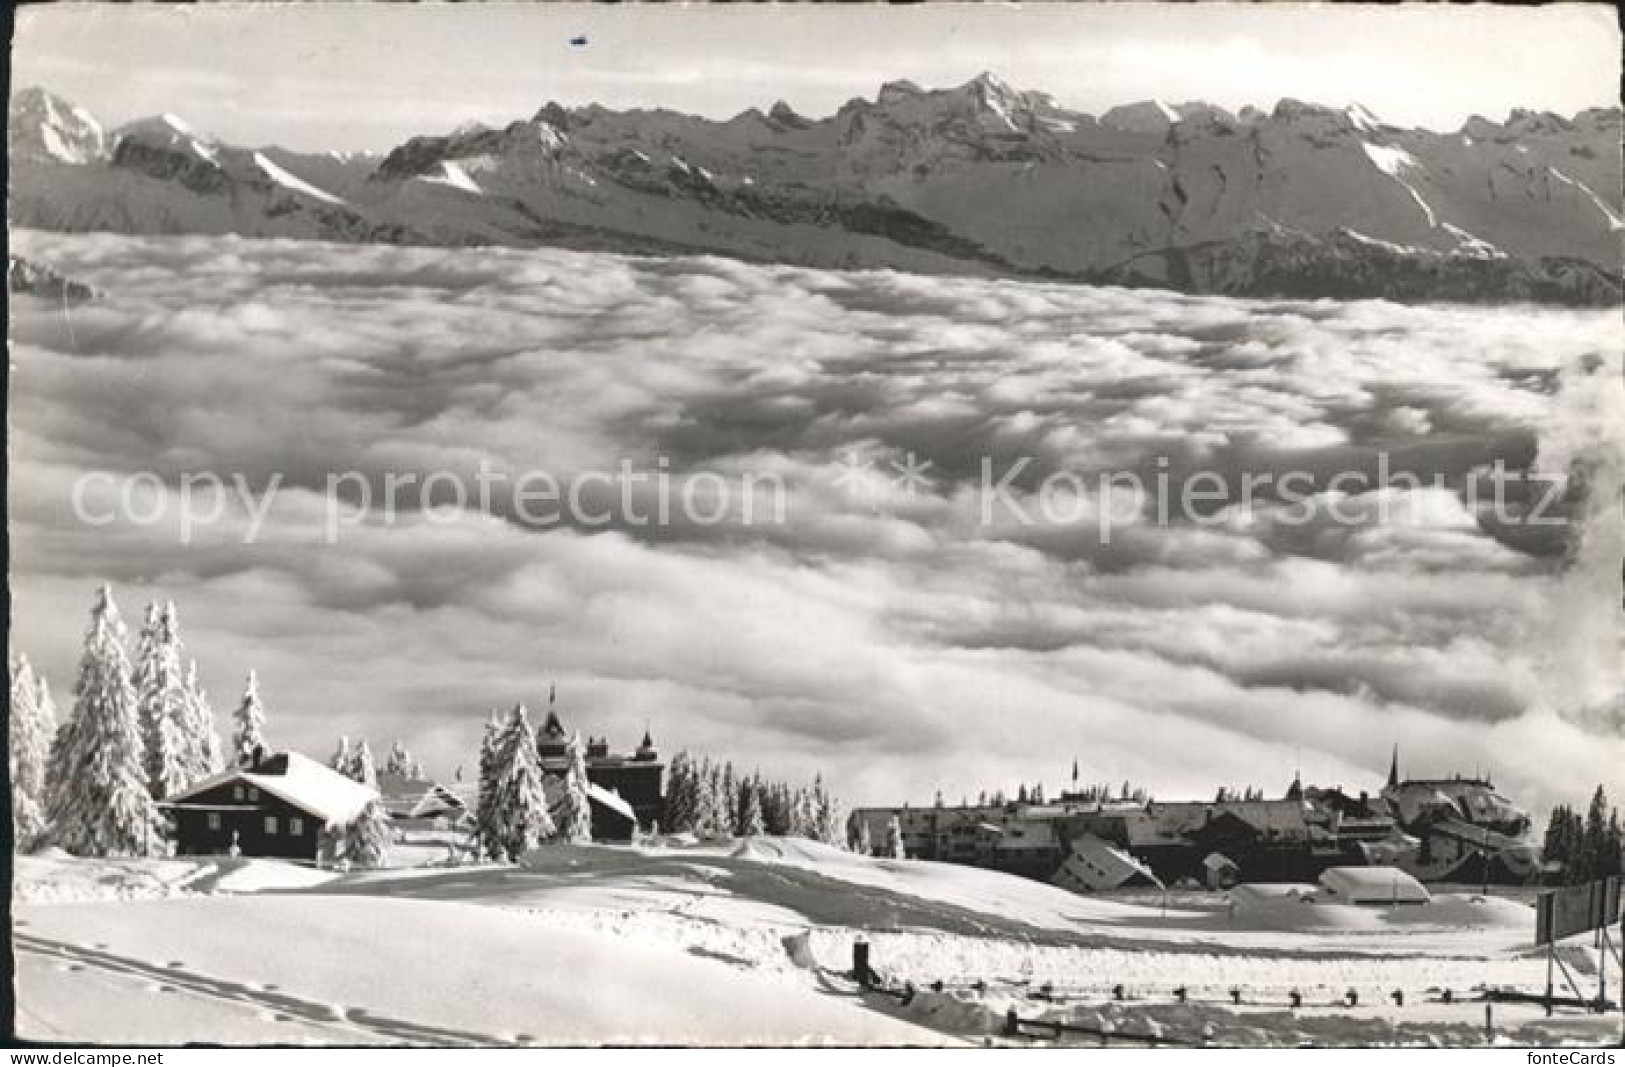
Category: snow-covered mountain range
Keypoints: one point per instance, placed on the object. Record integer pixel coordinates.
(1302, 200)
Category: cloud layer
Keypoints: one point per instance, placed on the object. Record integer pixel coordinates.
(903, 642)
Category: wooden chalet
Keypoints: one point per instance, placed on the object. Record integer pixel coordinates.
(277, 807)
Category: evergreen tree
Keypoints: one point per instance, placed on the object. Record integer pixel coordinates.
(705, 798)
(32, 727)
(485, 825)
(680, 794)
(751, 823)
(865, 844)
(776, 809)
(894, 839)
(362, 767)
(248, 743)
(367, 840)
(401, 763)
(162, 701)
(1594, 844)
(831, 824)
(727, 801)
(806, 814)
(342, 758)
(205, 748)
(97, 798)
(520, 817)
(576, 814)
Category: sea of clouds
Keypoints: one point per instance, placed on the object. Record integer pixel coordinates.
(899, 636)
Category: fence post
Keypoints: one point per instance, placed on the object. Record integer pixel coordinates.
(1012, 1024)
(1489, 1024)
(860, 963)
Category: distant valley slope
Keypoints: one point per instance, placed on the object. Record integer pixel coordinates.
(1300, 201)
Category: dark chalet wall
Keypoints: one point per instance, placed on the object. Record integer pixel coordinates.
(195, 837)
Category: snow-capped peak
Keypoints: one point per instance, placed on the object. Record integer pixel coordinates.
(44, 124)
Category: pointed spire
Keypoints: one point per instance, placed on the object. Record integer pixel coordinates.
(1393, 769)
(1074, 770)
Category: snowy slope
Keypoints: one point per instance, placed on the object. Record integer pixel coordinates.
(365, 971)
(739, 941)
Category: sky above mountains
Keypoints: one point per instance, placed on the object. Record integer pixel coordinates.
(368, 76)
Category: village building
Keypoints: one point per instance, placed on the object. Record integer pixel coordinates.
(279, 807)
(1436, 829)
(638, 777)
(1094, 866)
(421, 800)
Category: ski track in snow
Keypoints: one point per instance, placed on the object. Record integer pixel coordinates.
(368, 1026)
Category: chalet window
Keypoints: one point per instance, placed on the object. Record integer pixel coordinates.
(296, 826)
(214, 820)
(270, 826)
(236, 792)
(253, 794)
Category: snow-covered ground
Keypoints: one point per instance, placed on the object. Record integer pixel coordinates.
(736, 942)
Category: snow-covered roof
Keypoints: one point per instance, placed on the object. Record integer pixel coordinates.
(1162, 822)
(1095, 865)
(308, 785)
(611, 800)
(417, 797)
(1373, 885)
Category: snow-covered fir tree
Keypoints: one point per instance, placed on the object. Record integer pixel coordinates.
(173, 755)
(705, 798)
(362, 767)
(401, 763)
(97, 799)
(750, 823)
(680, 794)
(727, 801)
(831, 819)
(519, 819)
(366, 841)
(484, 829)
(248, 740)
(200, 715)
(804, 815)
(894, 840)
(33, 725)
(864, 845)
(575, 814)
(340, 759)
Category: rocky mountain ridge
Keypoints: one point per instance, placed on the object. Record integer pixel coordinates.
(980, 178)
